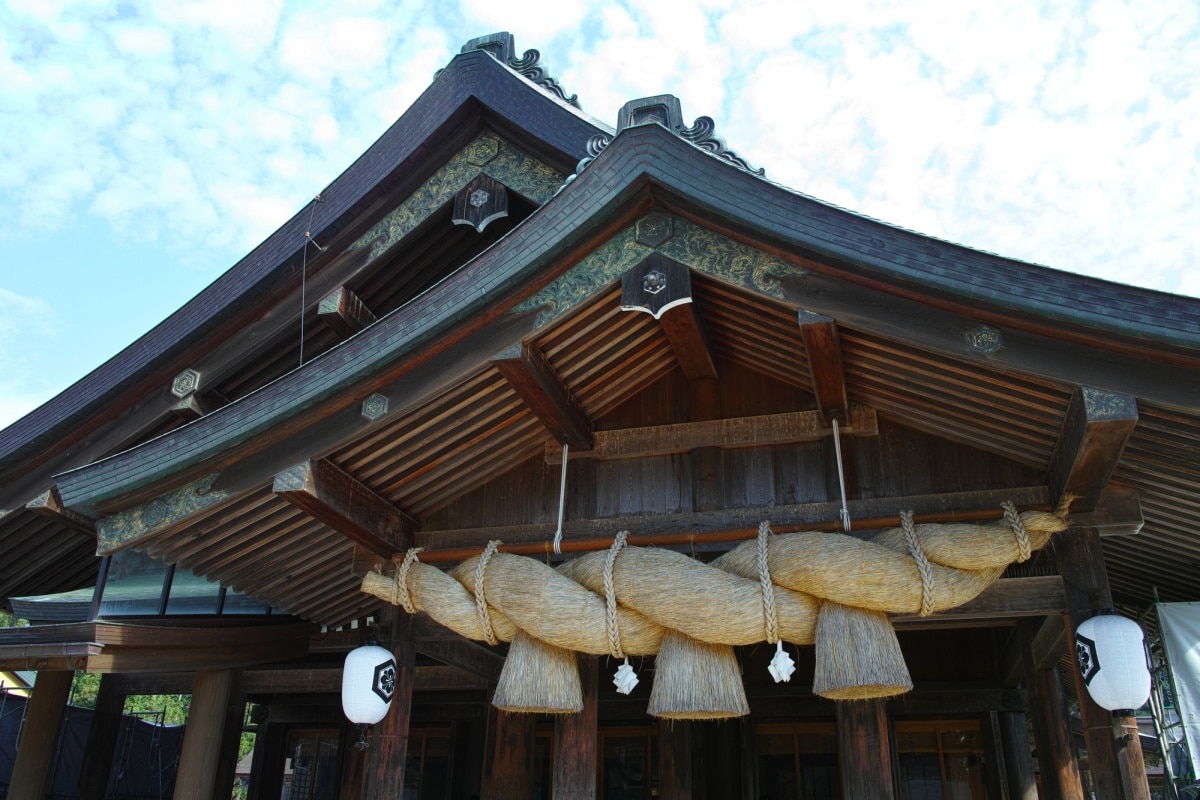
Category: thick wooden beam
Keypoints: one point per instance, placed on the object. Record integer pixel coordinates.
(1018, 755)
(790, 427)
(1055, 750)
(1097, 426)
(663, 289)
(824, 351)
(1040, 643)
(727, 525)
(526, 369)
(1118, 513)
(343, 311)
(194, 406)
(864, 750)
(466, 655)
(334, 497)
(201, 749)
(689, 341)
(31, 772)
(49, 504)
(1009, 598)
(576, 739)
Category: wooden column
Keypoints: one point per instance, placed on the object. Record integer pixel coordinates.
(467, 742)
(508, 766)
(994, 773)
(31, 776)
(576, 741)
(1056, 753)
(675, 738)
(101, 740)
(389, 746)
(231, 738)
(200, 754)
(266, 769)
(1085, 582)
(865, 750)
(1018, 755)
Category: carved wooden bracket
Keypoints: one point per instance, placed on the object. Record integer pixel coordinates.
(480, 202)
(663, 289)
(525, 368)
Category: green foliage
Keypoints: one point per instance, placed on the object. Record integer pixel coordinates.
(84, 689)
(7, 620)
(174, 706)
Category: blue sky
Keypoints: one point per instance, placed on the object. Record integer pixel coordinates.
(145, 147)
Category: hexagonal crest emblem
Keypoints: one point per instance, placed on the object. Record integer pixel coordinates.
(985, 340)
(384, 683)
(374, 407)
(654, 229)
(1089, 660)
(185, 383)
(154, 512)
(479, 197)
(654, 282)
(482, 150)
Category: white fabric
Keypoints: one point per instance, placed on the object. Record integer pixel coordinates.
(1180, 623)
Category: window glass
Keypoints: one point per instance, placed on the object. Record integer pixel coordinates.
(628, 763)
(940, 760)
(191, 594)
(134, 585)
(797, 761)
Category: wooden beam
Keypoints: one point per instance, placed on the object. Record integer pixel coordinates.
(334, 497)
(464, 654)
(193, 406)
(49, 504)
(343, 311)
(1118, 513)
(689, 340)
(1094, 433)
(1008, 598)
(526, 369)
(790, 427)
(727, 525)
(824, 351)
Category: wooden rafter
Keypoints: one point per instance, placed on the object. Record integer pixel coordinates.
(1097, 426)
(525, 368)
(49, 504)
(332, 496)
(824, 351)
(343, 311)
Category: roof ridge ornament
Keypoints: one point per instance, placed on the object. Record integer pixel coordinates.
(666, 110)
(502, 46)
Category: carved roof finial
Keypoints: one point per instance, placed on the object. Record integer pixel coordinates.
(502, 46)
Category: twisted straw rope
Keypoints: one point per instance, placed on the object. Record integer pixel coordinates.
(923, 565)
(654, 591)
(401, 596)
(1018, 528)
(485, 618)
(610, 596)
(764, 580)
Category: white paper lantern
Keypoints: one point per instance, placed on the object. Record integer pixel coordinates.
(368, 683)
(1112, 661)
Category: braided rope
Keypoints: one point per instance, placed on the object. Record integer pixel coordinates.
(610, 596)
(768, 588)
(923, 566)
(401, 596)
(1024, 549)
(485, 619)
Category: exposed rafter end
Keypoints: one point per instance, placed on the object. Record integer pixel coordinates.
(1117, 513)
(49, 504)
(343, 311)
(533, 379)
(824, 351)
(330, 495)
(1097, 426)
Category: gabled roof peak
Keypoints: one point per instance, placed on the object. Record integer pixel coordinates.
(502, 46)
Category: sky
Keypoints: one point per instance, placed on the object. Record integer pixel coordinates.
(145, 147)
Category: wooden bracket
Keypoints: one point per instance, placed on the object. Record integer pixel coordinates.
(1097, 426)
(480, 202)
(49, 504)
(343, 311)
(824, 351)
(663, 289)
(525, 368)
(334, 497)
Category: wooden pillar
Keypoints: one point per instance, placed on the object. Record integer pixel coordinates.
(1085, 582)
(576, 740)
(389, 746)
(508, 766)
(266, 769)
(351, 763)
(675, 759)
(1130, 758)
(1056, 753)
(231, 739)
(1018, 755)
(467, 741)
(101, 740)
(199, 757)
(994, 772)
(865, 750)
(31, 775)
(748, 752)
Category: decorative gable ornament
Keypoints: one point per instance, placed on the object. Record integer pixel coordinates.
(368, 684)
(1112, 660)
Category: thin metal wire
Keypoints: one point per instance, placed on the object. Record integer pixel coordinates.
(562, 498)
(837, 449)
(304, 269)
